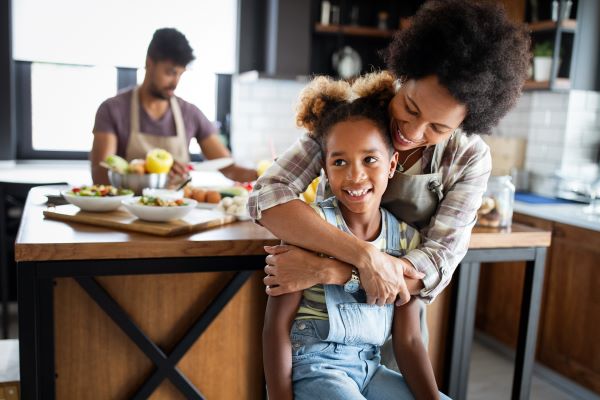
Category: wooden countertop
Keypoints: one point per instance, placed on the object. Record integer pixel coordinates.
(41, 239)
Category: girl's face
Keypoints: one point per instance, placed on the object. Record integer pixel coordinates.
(423, 113)
(358, 164)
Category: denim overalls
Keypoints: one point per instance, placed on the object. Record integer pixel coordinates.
(339, 358)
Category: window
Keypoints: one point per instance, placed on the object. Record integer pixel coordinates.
(75, 59)
(64, 100)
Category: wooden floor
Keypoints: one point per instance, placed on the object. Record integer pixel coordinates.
(490, 373)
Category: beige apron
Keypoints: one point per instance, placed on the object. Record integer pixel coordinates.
(415, 198)
(140, 143)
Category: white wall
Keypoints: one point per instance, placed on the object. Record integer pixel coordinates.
(263, 117)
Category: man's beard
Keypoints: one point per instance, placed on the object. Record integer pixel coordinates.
(154, 92)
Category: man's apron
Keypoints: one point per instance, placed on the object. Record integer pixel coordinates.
(141, 143)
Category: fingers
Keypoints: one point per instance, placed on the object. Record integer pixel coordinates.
(403, 296)
(270, 280)
(280, 248)
(270, 270)
(412, 272)
(274, 291)
(370, 299)
(390, 299)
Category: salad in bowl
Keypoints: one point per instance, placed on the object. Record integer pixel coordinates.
(157, 209)
(97, 198)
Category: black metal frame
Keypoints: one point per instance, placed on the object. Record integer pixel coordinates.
(462, 322)
(36, 326)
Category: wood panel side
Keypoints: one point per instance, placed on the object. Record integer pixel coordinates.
(95, 360)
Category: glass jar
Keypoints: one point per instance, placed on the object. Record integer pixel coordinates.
(497, 205)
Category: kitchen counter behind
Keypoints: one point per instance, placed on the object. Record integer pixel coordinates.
(569, 214)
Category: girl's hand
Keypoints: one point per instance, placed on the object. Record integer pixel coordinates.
(382, 277)
(291, 269)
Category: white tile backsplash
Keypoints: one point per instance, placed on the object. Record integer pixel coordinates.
(562, 130)
(263, 117)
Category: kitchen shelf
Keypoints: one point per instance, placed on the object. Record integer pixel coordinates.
(352, 30)
(567, 25)
(559, 83)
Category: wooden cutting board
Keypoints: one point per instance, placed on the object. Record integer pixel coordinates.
(121, 219)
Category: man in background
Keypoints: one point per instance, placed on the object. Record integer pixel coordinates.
(150, 116)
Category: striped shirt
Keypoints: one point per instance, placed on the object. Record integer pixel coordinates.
(465, 166)
(313, 304)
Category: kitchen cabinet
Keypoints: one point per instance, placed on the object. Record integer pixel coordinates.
(574, 40)
(569, 326)
(295, 38)
(366, 27)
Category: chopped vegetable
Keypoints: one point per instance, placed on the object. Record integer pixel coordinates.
(99, 191)
(158, 202)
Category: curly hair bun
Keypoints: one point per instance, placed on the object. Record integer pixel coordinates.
(376, 85)
(321, 95)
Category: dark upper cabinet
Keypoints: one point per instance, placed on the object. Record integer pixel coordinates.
(274, 37)
(575, 41)
(290, 37)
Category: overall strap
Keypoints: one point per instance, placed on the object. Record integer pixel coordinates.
(328, 208)
(392, 234)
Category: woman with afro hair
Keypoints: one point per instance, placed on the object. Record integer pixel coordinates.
(459, 68)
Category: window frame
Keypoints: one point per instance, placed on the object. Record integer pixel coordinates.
(25, 151)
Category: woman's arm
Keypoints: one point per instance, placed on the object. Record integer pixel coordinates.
(382, 276)
(291, 269)
(410, 352)
(445, 241)
(277, 348)
(275, 202)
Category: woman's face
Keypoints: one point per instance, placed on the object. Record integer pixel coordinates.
(423, 113)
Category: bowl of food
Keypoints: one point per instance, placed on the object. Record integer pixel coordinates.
(97, 198)
(163, 194)
(139, 174)
(158, 210)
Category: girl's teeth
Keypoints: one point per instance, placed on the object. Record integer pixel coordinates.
(357, 192)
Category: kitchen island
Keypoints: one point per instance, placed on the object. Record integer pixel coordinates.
(108, 314)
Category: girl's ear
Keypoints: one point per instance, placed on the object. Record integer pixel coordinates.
(393, 164)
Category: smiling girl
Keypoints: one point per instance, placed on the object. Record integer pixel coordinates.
(333, 349)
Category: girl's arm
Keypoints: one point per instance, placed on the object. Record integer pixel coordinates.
(277, 348)
(410, 352)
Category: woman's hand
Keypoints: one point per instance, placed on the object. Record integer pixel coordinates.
(291, 269)
(382, 277)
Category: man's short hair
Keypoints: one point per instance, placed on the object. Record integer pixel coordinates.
(168, 44)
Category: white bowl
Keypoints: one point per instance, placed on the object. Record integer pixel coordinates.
(163, 194)
(93, 203)
(156, 213)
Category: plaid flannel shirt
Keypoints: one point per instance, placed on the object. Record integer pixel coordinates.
(465, 165)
